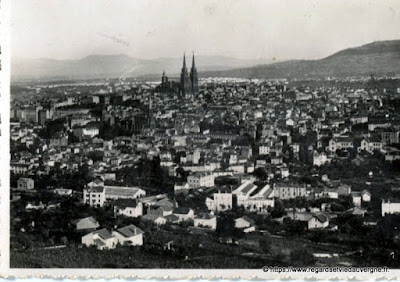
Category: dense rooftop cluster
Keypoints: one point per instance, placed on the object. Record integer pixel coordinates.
(270, 155)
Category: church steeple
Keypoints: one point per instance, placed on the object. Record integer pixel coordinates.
(184, 62)
(193, 65)
(194, 77)
(185, 86)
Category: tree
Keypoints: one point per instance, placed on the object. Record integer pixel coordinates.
(301, 257)
(180, 172)
(260, 173)
(226, 227)
(389, 225)
(351, 224)
(265, 244)
(64, 240)
(279, 209)
(52, 128)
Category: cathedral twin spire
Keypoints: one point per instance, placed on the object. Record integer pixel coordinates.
(189, 83)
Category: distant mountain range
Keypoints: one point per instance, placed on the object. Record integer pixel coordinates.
(111, 66)
(378, 58)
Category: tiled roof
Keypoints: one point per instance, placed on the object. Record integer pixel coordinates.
(248, 187)
(99, 243)
(321, 217)
(87, 222)
(248, 219)
(96, 189)
(205, 216)
(182, 210)
(165, 202)
(151, 217)
(121, 191)
(171, 218)
(129, 231)
(103, 233)
(125, 203)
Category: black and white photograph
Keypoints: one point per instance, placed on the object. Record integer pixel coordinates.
(203, 135)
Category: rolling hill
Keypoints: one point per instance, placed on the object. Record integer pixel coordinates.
(378, 58)
(104, 66)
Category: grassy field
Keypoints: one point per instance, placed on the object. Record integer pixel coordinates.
(128, 258)
(212, 255)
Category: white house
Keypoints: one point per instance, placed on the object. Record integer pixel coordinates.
(95, 193)
(88, 131)
(356, 196)
(285, 172)
(128, 208)
(328, 193)
(289, 122)
(86, 223)
(313, 220)
(370, 145)
(344, 190)
(319, 220)
(183, 213)
(259, 204)
(156, 219)
(221, 202)
(160, 210)
(264, 149)
(91, 131)
(129, 235)
(63, 191)
(366, 196)
(320, 159)
(390, 206)
(102, 239)
(26, 183)
(289, 190)
(34, 206)
(201, 179)
(245, 223)
(94, 196)
(181, 187)
(340, 143)
(206, 220)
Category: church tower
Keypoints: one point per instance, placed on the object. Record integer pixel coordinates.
(163, 78)
(194, 79)
(185, 84)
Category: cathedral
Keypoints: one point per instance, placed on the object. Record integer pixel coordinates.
(188, 83)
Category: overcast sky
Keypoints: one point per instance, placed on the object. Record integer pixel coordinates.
(70, 29)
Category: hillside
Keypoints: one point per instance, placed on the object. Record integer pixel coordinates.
(104, 66)
(376, 58)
